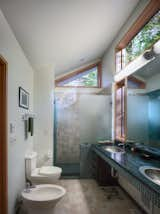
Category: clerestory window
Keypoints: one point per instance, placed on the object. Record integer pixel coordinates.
(142, 35)
(89, 76)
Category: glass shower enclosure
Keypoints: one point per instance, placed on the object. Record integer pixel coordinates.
(80, 117)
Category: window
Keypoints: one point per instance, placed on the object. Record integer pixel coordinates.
(141, 36)
(149, 34)
(87, 77)
(120, 111)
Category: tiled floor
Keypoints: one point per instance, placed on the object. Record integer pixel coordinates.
(86, 197)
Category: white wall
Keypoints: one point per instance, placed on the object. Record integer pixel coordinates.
(153, 83)
(43, 105)
(20, 73)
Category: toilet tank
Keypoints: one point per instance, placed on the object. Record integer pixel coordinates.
(30, 163)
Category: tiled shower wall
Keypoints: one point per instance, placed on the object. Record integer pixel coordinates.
(68, 136)
(80, 118)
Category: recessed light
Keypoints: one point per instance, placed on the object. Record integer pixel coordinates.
(82, 59)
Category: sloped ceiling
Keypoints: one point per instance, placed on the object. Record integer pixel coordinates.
(67, 33)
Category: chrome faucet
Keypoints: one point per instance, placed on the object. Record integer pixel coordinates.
(28, 187)
(122, 144)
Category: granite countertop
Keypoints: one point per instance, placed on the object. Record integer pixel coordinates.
(130, 161)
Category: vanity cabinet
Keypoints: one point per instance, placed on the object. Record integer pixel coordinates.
(103, 173)
(141, 195)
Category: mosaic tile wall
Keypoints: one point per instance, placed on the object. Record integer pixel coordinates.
(68, 137)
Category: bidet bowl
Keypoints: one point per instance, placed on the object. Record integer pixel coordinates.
(43, 198)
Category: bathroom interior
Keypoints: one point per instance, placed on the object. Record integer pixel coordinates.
(80, 103)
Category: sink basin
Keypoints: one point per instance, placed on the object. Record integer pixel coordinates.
(113, 149)
(152, 173)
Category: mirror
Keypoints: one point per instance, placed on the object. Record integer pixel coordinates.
(143, 104)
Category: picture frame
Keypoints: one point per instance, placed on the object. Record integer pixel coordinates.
(23, 98)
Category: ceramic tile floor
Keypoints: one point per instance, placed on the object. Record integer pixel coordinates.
(84, 196)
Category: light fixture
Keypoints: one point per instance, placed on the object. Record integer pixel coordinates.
(82, 59)
(149, 54)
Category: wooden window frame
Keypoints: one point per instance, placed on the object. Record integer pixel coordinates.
(3, 141)
(124, 100)
(124, 83)
(65, 77)
(150, 10)
(141, 84)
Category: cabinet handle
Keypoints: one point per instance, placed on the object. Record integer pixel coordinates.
(113, 173)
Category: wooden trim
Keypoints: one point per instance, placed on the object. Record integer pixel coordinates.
(118, 85)
(125, 108)
(77, 86)
(67, 76)
(99, 75)
(146, 15)
(141, 84)
(114, 110)
(3, 133)
(121, 139)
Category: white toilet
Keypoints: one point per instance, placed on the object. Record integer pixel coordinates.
(43, 175)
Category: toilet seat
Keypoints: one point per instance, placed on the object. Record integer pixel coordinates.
(51, 173)
(35, 173)
(49, 170)
(52, 178)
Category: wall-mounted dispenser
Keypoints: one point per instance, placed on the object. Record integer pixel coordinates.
(28, 123)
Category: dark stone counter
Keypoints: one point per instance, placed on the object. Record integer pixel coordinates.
(130, 162)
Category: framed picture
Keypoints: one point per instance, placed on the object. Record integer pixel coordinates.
(23, 98)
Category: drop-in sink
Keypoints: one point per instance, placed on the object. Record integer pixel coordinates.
(152, 173)
(113, 149)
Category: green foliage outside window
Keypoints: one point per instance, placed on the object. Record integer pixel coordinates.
(149, 34)
(89, 80)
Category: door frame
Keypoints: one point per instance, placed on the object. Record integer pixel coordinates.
(3, 138)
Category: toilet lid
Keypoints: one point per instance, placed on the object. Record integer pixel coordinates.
(49, 170)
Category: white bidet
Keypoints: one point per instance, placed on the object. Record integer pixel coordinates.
(43, 198)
